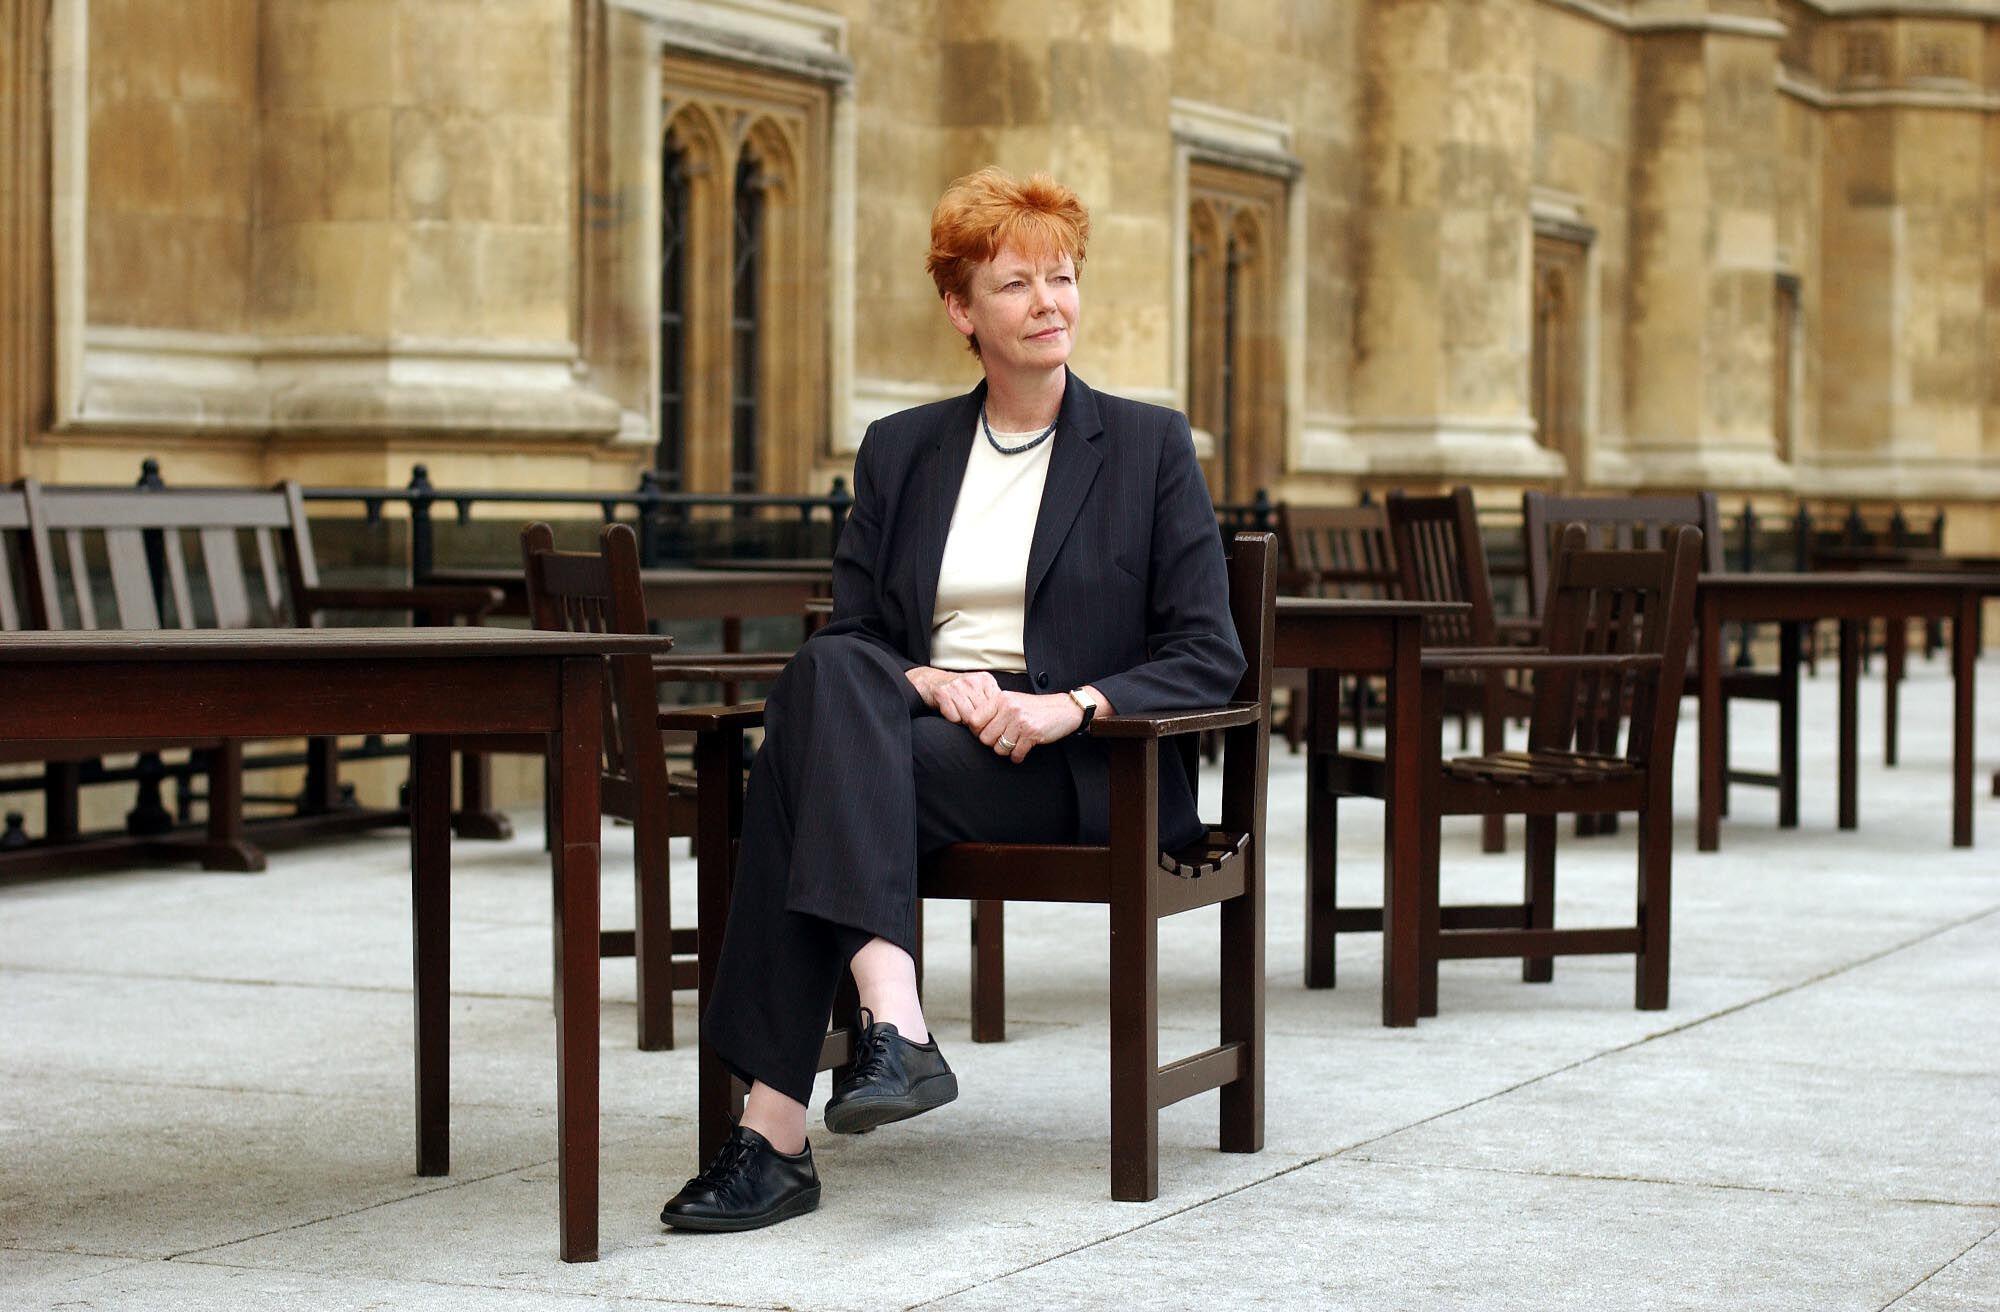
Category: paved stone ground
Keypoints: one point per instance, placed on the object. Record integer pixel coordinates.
(205, 1095)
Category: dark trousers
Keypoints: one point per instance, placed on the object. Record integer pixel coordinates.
(856, 781)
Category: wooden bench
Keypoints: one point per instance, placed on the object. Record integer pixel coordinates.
(144, 559)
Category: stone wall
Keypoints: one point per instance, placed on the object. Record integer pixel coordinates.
(334, 237)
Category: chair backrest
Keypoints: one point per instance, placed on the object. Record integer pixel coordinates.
(600, 592)
(1614, 522)
(1253, 575)
(1619, 602)
(1440, 557)
(15, 613)
(1345, 548)
(173, 558)
(1253, 605)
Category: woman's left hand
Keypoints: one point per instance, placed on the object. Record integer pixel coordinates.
(1022, 721)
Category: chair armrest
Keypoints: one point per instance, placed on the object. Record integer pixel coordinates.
(1163, 724)
(747, 672)
(1500, 658)
(1517, 630)
(468, 600)
(708, 719)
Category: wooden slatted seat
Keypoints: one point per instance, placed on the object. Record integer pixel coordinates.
(1131, 875)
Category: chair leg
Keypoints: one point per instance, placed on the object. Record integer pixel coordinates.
(989, 972)
(653, 934)
(1790, 639)
(1656, 849)
(1242, 1109)
(1135, 975)
(1539, 893)
(1722, 801)
(1429, 919)
(1492, 739)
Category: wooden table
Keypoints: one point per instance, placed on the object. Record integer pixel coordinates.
(1329, 638)
(429, 683)
(1853, 598)
(677, 594)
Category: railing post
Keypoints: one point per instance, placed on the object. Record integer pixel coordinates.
(1262, 511)
(649, 509)
(1855, 530)
(149, 475)
(422, 547)
(1802, 532)
(838, 502)
(1899, 527)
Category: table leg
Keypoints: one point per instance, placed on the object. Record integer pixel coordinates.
(1708, 818)
(430, 897)
(1964, 654)
(1853, 634)
(1403, 816)
(1895, 656)
(1322, 828)
(577, 745)
(1791, 639)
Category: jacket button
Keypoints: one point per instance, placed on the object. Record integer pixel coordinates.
(1042, 679)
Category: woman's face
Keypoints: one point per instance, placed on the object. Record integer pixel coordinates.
(1024, 311)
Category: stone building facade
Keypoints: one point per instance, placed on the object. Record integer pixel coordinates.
(1752, 245)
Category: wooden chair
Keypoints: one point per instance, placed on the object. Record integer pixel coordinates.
(1140, 883)
(1647, 522)
(600, 592)
(1331, 551)
(1618, 625)
(1440, 556)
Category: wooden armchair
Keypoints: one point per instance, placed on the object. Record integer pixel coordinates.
(1646, 522)
(1440, 556)
(1139, 882)
(1618, 625)
(600, 592)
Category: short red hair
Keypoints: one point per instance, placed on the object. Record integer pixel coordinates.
(982, 213)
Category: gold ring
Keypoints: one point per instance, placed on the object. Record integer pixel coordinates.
(1006, 744)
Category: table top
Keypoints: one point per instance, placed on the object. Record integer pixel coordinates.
(316, 644)
(1844, 580)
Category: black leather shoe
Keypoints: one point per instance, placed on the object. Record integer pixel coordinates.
(892, 1079)
(749, 1185)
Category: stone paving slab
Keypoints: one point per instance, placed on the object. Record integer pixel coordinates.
(1353, 1235)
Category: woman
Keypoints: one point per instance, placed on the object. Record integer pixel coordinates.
(1018, 560)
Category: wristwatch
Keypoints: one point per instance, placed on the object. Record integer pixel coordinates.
(1085, 703)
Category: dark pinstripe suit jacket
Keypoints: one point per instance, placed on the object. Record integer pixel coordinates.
(1126, 586)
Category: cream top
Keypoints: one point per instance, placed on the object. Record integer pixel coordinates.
(982, 591)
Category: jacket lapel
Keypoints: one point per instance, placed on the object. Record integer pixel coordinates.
(1073, 466)
(950, 450)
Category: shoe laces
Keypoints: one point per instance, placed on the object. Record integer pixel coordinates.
(736, 1153)
(871, 1049)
